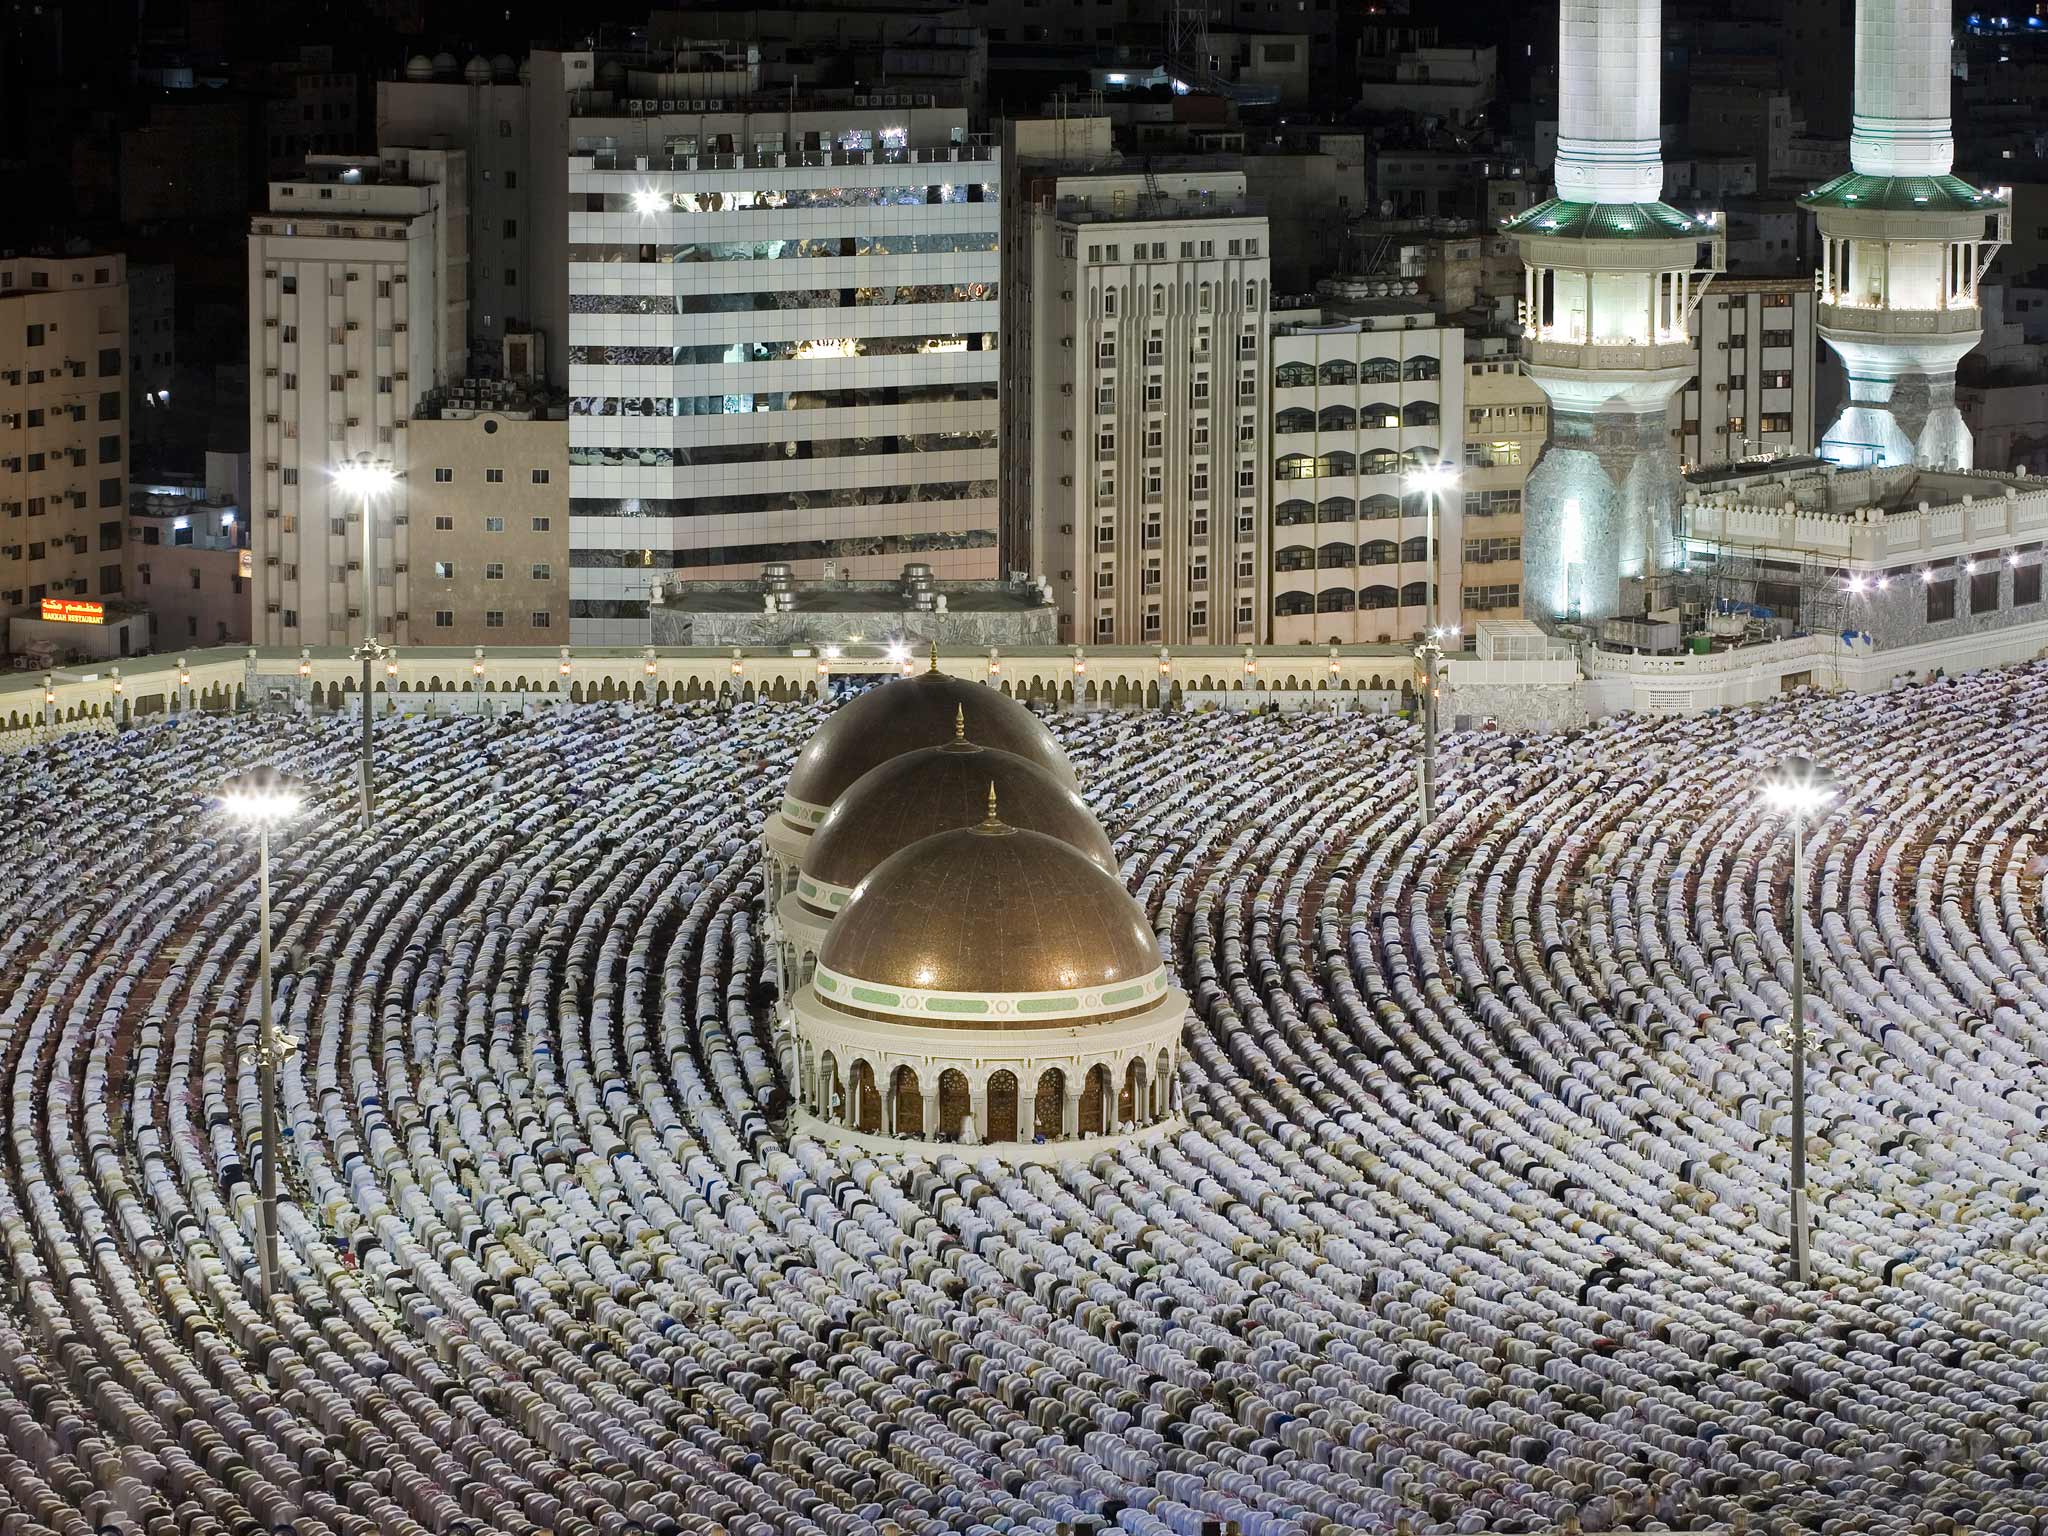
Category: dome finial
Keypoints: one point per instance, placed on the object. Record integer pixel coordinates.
(935, 657)
(959, 722)
(993, 818)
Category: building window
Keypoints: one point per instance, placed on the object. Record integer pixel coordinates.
(110, 405)
(444, 476)
(1105, 627)
(540, 477)
(540, 524)
(110, 536)
(541, 619)
(1984, 587)
(110, 449)
(444, 618)
(195, 578)
(35, 335)
(543, 573)
(1941, 599)
(494, 477)
(443, 523)
(494, 618)
(494, 570)
(110, 492)
(110, 362)
(494, 525)
(291, 476)
(445, 569)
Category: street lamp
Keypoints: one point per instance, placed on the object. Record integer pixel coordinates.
(264, 797)
(1798, 789)
(1431, 481)
(366, 481)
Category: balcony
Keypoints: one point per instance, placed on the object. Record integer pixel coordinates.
(1608, 356)
(1877, 320)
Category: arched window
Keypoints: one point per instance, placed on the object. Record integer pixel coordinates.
(1380, 370)
(1415, 503)
(1158, 299)
(1381, 461)
(1109, 301)
(1420, 413)
(1335, 557)
(1336, 418)
(1338, 371)
(1293, 513)
(1205, 298)
(1415, 594)
(1381, 413)
(1415, 550)
(1378, 597)
(1336, 600)
(1378, 552)
(1294, 375)
(1419, 458)
(1294, 419)
(1419, 368)
(1381, 505)
(1294, 557)
(1336, 509)
(1293, 605)
(1340, 463)
(1295, 466)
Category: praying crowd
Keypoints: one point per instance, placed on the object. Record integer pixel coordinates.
(1473, 1219)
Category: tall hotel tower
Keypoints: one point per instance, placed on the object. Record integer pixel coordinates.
(1903, 245)
(1611, 277)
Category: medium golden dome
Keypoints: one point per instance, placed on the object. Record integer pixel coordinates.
(914, 712)
(941, 789)
(991, 910)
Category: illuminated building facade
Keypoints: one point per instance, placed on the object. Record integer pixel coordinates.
(1903, 246)
(1611, 277)
(782, 348)
(1136, 440)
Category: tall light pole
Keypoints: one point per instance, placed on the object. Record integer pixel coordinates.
(366, 481)
(262, 798)
(1797, 789)
(1431, 480)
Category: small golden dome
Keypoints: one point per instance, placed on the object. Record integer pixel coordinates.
(989, 909)
(913, 712)
(939, 789)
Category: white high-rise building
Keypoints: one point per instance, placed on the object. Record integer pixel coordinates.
(1136, 440)
(358, 306)
(1611, 278)
(1903, 246)
(1752, 389)
(1363, 397)
(781, 347)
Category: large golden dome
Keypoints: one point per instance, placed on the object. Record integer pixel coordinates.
(914, 712)
(992, 910)
(941, 789)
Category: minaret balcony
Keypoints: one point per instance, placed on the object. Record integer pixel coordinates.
(1874, 319)
(1608, 356)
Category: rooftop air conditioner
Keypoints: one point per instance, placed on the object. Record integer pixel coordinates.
(696, 106)
(635, 104)
(270, 607)
(1066, 479)
(668, 106)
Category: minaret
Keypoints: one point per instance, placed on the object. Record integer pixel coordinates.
(1610, 279)
(1903, 245)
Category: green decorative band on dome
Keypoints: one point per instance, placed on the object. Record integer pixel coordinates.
(948, 1009)
(1561, 219)
(802, 813)
(1902, 194)
(822, 896)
